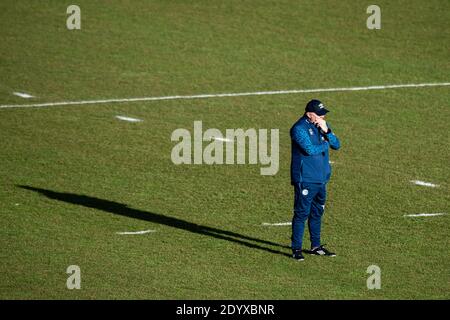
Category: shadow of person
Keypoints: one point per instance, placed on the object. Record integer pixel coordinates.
(124, 210)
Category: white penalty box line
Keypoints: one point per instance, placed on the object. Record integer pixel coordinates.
(221, 95)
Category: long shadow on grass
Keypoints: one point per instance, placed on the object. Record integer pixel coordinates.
(124, 210)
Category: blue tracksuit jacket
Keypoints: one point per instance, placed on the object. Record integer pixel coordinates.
(309, 160)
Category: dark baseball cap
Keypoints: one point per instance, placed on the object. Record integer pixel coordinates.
(317, 107)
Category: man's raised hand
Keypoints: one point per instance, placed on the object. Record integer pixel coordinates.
(321, 123)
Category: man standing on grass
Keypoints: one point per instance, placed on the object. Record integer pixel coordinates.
(310, 172)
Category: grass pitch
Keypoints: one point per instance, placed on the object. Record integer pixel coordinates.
(74, 176)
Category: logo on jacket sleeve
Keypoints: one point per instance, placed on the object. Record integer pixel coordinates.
(305, 192)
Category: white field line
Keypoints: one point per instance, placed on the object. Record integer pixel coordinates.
(128, 119)
(136, 232)
(222, 139)
(425, 214)
(220, 95)
(425, 184)
(277, 224)
(23, 95)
